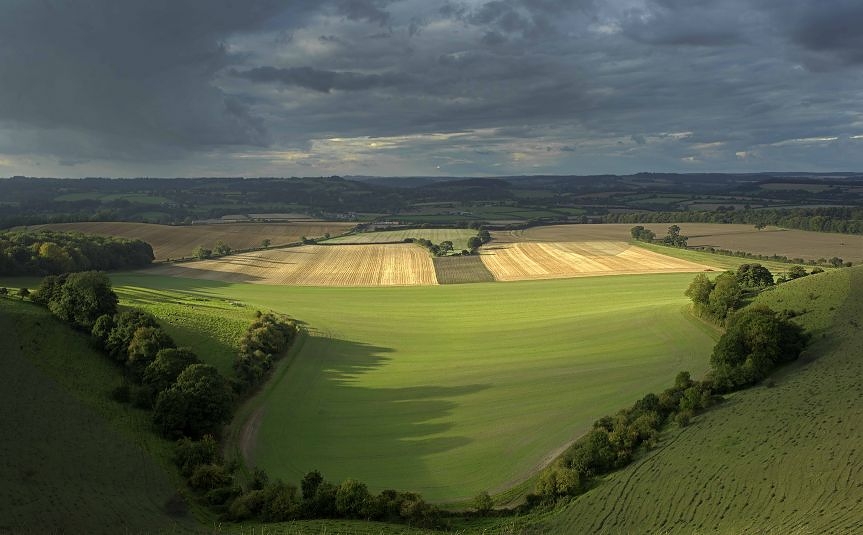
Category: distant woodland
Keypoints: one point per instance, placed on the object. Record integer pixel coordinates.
(46, 253)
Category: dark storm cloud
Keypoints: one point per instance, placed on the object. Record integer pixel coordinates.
(137, 71)
(481, 86)
(831, 30)
(367, 10)
(320, 80)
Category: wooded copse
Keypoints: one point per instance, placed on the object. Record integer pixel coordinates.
(46, 252)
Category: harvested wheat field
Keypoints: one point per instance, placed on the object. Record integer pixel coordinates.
(317, 265)
(532, 260)
(768, 241)
(180, 241)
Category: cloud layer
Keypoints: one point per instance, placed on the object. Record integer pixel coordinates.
(408, 87)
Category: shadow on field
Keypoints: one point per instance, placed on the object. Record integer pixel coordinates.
(378, 434)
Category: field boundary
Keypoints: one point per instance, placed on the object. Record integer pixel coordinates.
(242, 430)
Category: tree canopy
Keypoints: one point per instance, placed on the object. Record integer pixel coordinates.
(47, 252)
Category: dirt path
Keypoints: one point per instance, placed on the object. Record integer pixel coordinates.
(249, 434)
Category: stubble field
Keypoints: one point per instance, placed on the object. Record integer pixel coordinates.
(528, 261)
(769, 241)
(317, 265)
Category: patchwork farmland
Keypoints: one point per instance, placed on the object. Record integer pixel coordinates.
(180, 241)
(768, 241)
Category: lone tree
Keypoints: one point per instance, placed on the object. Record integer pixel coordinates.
(674, 238)
(265, 243)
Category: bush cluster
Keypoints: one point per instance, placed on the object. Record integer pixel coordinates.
(276, 501)
(265, 340)
(614, 440)
(46, 252)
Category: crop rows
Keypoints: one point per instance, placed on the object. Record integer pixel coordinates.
(318, 265)
(528, 260)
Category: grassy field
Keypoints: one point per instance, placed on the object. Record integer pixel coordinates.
(551, 260)
(769, 241)
(211, 327)
(403, 264)
(71, 460)
(771, 460)
(180, 241)
(430, 389)
(457, 236)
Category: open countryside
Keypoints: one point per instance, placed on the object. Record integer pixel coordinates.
(467, 397)
(737, 457)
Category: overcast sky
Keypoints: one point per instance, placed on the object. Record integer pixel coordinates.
(428, 87)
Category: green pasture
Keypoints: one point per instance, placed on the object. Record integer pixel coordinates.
(212, 327)
(451, 390)
(457, 236)
(783, 457)
(72, 460)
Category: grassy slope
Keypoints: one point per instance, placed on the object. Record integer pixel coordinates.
(785, 459)
(71, 460)
(432, 389)
(213, 328)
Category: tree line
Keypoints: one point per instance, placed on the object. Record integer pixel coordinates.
(846, 220)
(190, 402)
(45, 252)
(756, 340)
